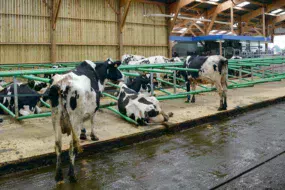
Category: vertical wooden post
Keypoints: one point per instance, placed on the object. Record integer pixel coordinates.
(120, 33)
(232, 18)
(52, 34)
(263, 22)
(168, 32)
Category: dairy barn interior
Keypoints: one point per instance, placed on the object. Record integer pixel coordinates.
(142, 94)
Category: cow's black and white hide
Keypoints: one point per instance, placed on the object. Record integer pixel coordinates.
(127, 58)
(143, 109)
(26, 104)
(140, 84)
(212, 69)
(37, 85)
(75, 97)
(234, 72)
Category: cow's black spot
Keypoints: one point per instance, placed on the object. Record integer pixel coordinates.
(144, 101)
(152, 113)
(73, 101)
(54, 96)
(215, 67)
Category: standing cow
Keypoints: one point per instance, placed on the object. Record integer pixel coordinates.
(26, 104)
(212, 69)
(143, 109)
(75, 97)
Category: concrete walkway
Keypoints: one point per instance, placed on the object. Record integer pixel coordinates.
(35, 136)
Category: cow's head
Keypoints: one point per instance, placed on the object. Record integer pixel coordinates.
(113, 72)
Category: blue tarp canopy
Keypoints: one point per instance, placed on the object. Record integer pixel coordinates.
(219, 37)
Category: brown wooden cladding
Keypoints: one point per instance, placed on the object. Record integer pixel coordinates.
(86, 29)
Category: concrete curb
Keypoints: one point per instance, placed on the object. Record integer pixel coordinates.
(37, 162)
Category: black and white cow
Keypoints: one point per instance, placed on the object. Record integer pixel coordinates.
(212, 69)
(143, 109)
(75, 97)
(37, 85)
(130, 58)
(140, 84)
(26, 104)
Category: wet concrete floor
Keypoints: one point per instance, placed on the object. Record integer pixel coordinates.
(198, 158)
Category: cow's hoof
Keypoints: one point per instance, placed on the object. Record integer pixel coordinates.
(187, 101)
(94, 138)
(1, 120)
(83, 134)
(59, 176)
(72, 179)
(193, 101)
(220, 108)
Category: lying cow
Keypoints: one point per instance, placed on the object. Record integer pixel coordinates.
(128, 58)
(75, 97)
(26, 104)
(140, 84)
(212, 69)
(143, 109)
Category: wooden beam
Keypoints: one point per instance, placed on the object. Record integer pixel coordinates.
(151, 2)
(279, 19)
(119, 32)
(126, 11)
(175, 9)
(53, 32)
(191, 8)
(222, 7)
(112, 7)
(56, 12)
(207, 2)
(263, 21)
(197, 26)
(243, 9)
(188, 29)
(232, 18)
(275, 5)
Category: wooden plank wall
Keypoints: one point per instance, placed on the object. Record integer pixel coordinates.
(86, 29)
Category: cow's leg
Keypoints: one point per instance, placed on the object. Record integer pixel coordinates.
(187, 83)
(58, 144)
(225, 89)
(194, 84)
(93, 136)
(220, 92)
(72, 154)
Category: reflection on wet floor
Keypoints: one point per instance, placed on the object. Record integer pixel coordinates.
(197, 158)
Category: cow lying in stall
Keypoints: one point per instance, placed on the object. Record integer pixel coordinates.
(139, 60)
(213, 69)
(143, 109)
(39, 86)
(26, 104)
(127, 58)
(140, 84)
(75, 97)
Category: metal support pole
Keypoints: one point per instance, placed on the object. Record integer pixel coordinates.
(251, 70)
(16, 97)
(240, 74)
(174, 82)
(151, 83)
(263, 73)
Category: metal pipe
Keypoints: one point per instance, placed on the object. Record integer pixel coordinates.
(151, 84)
(174, 82)
(181, 69)
(5, 109)
(109, 95)
(16, 97)
(47, 114)
(33, 72)
(131, 74)
(122, 115)
(112, 84)
(45, 104)
(36, 78)
(130, 67)
(186, 18)
(154, 71)
(169, 83)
